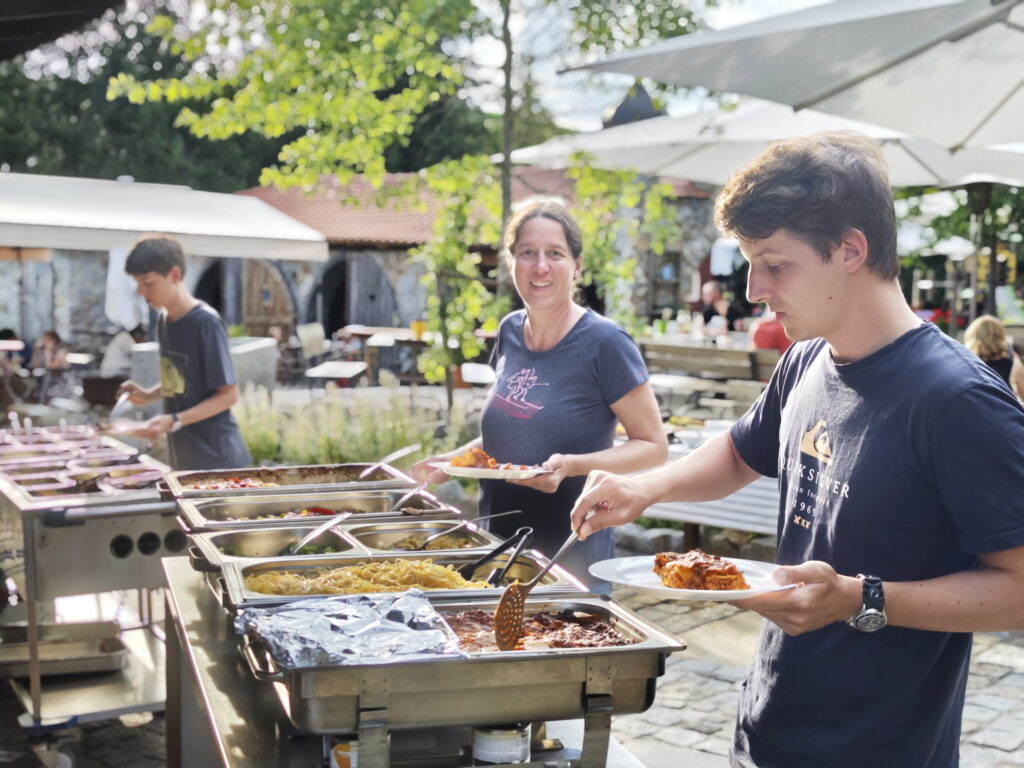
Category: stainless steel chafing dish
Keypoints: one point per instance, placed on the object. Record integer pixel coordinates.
(83, 482)
(212, 550)
(313, 478)
(381, 537)
(237, 596)
(485, 688)
(237, 512)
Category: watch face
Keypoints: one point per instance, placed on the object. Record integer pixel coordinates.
(870, 621)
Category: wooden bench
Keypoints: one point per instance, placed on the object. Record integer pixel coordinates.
(726, 381)
(754, 508)
(708, 361)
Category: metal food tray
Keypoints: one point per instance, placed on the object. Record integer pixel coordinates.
(312, 478)
(247, 544)
(237, 596)
(64, 649)
(264, 543)
(212, 514)
(83, 489)
(485, 688)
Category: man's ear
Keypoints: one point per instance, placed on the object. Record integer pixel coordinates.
(175, 275)
(853, 250)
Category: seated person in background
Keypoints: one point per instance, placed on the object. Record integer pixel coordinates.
(986, 337)
(716, 305)
(117, 358)
(49, 355)
(12, 360)
(766, 332)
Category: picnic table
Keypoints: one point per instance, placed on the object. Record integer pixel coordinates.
(753, 508)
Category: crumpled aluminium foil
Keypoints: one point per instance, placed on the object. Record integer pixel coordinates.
(350, 629)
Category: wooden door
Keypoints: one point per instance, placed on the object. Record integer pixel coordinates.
(265, 299)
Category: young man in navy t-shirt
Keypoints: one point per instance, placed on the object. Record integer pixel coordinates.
(900, 459)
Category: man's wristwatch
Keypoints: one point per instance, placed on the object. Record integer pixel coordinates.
(175, 423)
(871, 616)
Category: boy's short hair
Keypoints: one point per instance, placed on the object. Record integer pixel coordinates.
(816, 187)
(155, 253)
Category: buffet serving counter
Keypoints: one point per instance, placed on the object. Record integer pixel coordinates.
(218, 714)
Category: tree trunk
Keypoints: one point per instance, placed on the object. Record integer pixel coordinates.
(504, 279)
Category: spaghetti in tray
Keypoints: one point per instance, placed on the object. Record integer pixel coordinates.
(375, 576)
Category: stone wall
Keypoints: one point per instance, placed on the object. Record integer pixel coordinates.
(10, 295)
(79, 292)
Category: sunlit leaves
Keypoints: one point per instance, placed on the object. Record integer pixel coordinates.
(380, 62)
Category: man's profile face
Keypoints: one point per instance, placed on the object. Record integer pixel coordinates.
(808, 295)
(158, 290)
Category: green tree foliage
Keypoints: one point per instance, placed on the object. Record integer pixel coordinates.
(619, 213)
(352, 83)
(64, 125)
(457, 302)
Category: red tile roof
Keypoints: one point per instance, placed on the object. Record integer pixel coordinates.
(352, 216)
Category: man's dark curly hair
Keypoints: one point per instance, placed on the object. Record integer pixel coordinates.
(816, 187)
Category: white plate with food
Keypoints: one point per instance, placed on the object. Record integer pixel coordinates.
(638, 574)
(503, 472)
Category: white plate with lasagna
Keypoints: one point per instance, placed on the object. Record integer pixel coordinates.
(637, 573)
(512, 472)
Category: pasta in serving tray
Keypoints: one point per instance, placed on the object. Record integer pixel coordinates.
(375, 576)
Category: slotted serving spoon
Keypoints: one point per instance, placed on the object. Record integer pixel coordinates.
(396, 454)
(508, 617)
(321, 529)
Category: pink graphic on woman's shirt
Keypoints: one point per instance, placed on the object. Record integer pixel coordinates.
(517, 386)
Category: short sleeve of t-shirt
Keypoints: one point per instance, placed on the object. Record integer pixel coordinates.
(977, 451)
(217, 368)
(756, 433)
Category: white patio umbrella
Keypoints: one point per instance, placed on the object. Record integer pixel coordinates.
(949, 71)
(709, 146)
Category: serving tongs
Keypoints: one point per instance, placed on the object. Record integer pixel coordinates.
(508, 617)
(517, 542)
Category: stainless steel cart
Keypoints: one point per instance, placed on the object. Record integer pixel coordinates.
(61, 536)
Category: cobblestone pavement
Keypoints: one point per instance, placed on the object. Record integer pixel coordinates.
(104, 744)
(695, 708)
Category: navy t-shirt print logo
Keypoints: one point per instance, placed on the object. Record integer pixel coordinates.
(517, 388)
(815, 443)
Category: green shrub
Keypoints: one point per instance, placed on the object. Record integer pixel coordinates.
(352, 425)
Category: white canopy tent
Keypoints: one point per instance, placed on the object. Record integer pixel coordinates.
(98, 215)
(948, 71)
(710, 145)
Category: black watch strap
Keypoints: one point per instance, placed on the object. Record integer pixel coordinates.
(872, 595)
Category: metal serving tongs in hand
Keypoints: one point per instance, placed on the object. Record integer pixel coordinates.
(397, 454)
(462, 524)
(321, 529)
(508, 617)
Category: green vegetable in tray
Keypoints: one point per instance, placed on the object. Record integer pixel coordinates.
(309, 549)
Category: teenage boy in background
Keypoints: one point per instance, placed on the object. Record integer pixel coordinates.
(197, 378)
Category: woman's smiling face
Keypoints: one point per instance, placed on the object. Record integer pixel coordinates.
(543, 266)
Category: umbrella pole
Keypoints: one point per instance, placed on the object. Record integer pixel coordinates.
(979, 196)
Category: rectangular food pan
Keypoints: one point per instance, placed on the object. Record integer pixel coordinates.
(482, 688)
(256, 481)
(238, 595)
(232, 513)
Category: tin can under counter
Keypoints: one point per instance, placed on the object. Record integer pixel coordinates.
(234, 594)
(306, 479)
(237, 512)
(483, 688)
